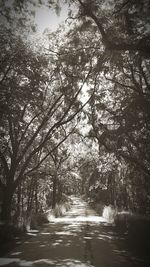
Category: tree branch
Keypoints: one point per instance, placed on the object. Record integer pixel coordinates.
(137, 46)
(45, 119)
(49, 153)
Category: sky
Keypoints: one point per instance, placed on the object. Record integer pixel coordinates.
(47, 18)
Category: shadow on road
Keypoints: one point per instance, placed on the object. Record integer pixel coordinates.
(79, 239)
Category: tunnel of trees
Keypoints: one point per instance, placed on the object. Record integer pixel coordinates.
(75, 107)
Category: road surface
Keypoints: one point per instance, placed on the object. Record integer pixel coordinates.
(79, 239)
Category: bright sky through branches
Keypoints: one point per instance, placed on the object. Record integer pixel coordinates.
(47, 18)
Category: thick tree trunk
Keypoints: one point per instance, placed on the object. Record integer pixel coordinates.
(18, 201)
(6, 205)
(30, 199)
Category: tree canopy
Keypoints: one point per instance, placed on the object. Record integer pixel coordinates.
(89, 85)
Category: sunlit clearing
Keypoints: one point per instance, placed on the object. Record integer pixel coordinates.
(16, 253)
(29, 233)
(61, 263)
(80, 219)
(63, 233)
(109, 213)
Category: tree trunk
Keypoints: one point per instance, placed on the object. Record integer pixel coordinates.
(18, 201)
(36, 198)
(6, 205)
(59, 192)
(54, 191)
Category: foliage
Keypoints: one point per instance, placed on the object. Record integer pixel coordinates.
(118, 109)
(95, 73)
(35, 109)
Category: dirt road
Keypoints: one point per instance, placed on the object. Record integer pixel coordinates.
(79, 239)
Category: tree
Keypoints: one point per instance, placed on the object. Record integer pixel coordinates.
(124, 18)
(119, 112)
(120, 125)
(59, 156)
(38, 104)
